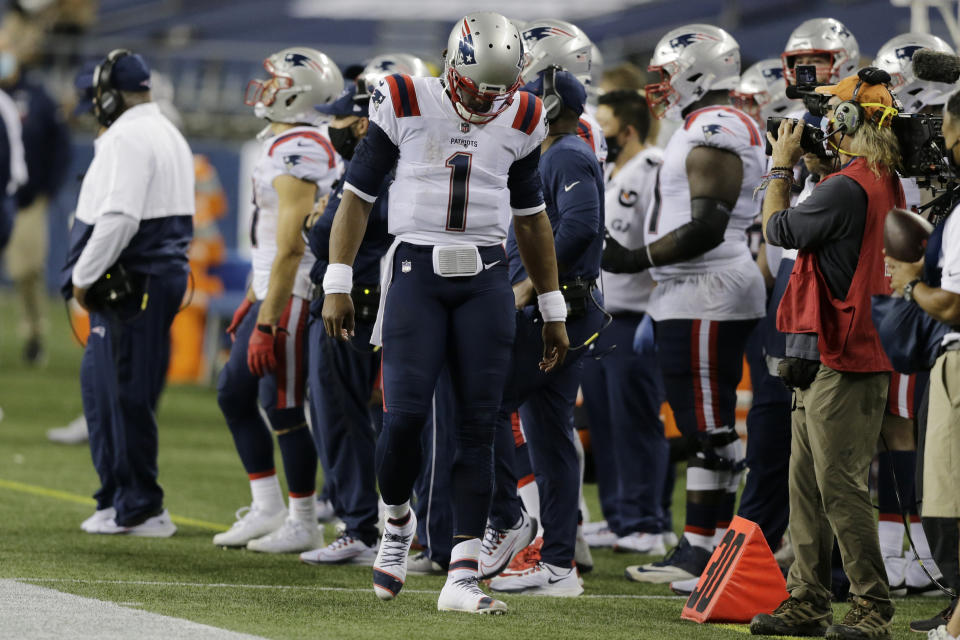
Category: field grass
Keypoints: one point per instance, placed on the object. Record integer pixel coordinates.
(44, 494)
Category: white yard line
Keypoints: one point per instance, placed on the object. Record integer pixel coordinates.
(37, 613)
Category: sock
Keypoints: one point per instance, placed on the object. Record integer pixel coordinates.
(721, 531)
(463, 559)
(303, 507)
(398, 515)
(701, 525)
(920, 542)
(890, 529)
(530, 496)
(266, 491)
(299, 460)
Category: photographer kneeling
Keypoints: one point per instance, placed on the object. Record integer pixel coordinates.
(835, 363)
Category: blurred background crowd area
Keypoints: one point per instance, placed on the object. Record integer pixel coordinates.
(204, 52)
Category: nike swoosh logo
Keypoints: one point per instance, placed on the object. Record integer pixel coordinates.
(571, 186)
(554, 580)
(492, 264)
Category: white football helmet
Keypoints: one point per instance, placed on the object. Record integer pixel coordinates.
(822, 35)
(555, 42)
(300, 78)
(482, 65)
(388, 64)
(691, 60)
(762, 91)
(896, 56)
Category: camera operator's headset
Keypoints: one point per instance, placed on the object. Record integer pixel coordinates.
(849, 115)
(107, 99)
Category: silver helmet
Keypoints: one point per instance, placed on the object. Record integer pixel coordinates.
(300, 78)
(822, 35)
(762, 91)
(691, 61)
(555, 42)
(895, 57)
(387, 64)
(482, 67)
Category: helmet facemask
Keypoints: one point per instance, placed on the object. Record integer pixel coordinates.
(478, 104)
(661, 96)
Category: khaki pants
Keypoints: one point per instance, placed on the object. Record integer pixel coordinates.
(836, 425)
(941, 467)
(26, 260)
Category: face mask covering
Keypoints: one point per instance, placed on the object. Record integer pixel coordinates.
(613, 148)
(8, 65)
(344, 141)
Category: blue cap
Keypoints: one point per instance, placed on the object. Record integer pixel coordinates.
(572, 93)
(346, 104)
(130, 73)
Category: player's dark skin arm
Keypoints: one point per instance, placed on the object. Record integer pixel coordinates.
(535, 242)
(940, 304)
(349, 226)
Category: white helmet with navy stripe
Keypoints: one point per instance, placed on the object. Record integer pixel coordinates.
(691, 61)
(483, 60)
(300, 78)
(388, 64)
(762, 91)
(896, 58)
(555, 42)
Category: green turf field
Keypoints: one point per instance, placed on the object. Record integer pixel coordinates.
(44, 495)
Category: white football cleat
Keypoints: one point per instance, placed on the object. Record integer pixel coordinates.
(344, 550)
(422, 565)
(685, 561)
(73, 433)
(293, 536)
(464, 594)
(649, 543)
(390, 567)
(159, 526)
(581, 553)
(593, 527)
(544, 579)
(601, 538)
(684, 587)
(500, 545)
(252, 522)
(99, 518)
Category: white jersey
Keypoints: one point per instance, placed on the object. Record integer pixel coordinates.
(725, 282)
(628, 197)
(302, 152)
(588, 129)
(451, 178)
(950, 263)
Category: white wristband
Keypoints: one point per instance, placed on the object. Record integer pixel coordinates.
(553, 307)
(338, 278)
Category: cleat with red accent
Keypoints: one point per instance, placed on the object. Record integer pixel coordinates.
(390, 567)
(526, 558)
(543, 579)
(500, 545)
(464, 594)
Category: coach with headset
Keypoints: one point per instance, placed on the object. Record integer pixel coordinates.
(127, 265)
(835, 363)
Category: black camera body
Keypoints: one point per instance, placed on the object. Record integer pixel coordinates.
(811, 140)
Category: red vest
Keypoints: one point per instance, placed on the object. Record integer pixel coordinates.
(848, 340)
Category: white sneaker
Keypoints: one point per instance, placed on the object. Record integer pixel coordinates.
(159, 526)
(252, 522)
(544, 579)
(593, 527)
(601, 539)
(940, 633)
(344, 550)
(670, 539)
(636, 542)
(896, 567)
(465, 595)
(390, 567)
(99, 518)
(73, 433)
(684, 587)
(500, 545)
(325, 511)
(581, 553)
(293, 536)
(422, 565)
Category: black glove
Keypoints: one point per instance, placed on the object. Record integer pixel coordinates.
(618, 259)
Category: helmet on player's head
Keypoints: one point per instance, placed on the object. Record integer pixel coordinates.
(895, 57)
(762, 91)
(300, 78)
(555, 42)
(388, 64)
(691, 60)
(482, 65)
(596, 73)
(822, 36)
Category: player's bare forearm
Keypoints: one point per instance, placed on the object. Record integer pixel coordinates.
(349, 226)
(535, 242)
(283, 273)
(775, 198)
(940, 304)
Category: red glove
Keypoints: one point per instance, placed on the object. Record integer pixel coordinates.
(238, 317)
(261, 358)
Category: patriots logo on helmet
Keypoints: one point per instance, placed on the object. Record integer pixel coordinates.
(539, 33)
(710, 130)
(687, 39)
(840, 30)
(386, 65)
(906, 53)
(773, 73)
(377, 98)
(300, 60)
(465, 53)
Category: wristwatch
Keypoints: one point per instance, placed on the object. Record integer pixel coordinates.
(908, 289)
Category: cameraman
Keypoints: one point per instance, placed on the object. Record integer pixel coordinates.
(133, 225)
(835, 362)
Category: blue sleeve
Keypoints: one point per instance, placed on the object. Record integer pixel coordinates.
(523, 181)
(319, 235)
(514, 263)
(578, 206)
(372, 161)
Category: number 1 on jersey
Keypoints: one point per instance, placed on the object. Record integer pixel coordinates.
(459, 165)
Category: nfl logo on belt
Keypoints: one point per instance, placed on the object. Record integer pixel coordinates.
(405, 266)
(464, 127)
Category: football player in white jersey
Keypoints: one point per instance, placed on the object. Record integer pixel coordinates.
(297, 166)
(709, 291)
(466, 148)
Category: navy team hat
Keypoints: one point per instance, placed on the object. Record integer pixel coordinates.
(572, 93)
(346, 104)
(130, 73)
